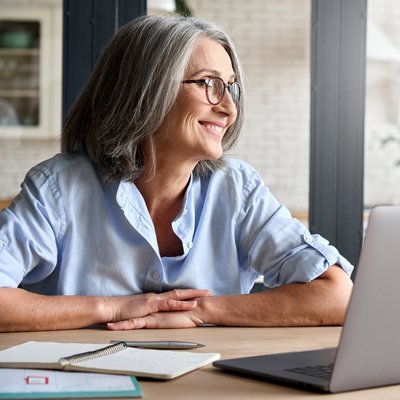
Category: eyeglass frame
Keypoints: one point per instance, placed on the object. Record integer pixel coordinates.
(227, 86)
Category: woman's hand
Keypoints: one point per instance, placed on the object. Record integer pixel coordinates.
(129, 311)
(322, 301)
(176, 319)
(25, 311)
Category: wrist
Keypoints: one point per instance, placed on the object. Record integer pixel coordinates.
(203, 314)
(103, 309)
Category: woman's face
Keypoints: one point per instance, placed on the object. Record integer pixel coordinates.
(194, 128)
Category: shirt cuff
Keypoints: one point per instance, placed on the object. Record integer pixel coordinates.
(330, 253)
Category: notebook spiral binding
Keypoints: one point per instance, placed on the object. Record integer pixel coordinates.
(90, 355)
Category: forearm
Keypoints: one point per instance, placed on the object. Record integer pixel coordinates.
(24, 311)
(320, 302)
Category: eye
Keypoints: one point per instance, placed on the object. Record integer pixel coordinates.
(212, 82)
(202, 82)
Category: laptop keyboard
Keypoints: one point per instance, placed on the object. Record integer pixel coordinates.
(318, 371)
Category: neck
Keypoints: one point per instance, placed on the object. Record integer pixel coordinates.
(165, 189)
(164, 194)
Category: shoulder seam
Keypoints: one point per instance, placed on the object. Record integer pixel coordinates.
(56, 196)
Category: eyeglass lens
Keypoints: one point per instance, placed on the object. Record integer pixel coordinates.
(216, 89)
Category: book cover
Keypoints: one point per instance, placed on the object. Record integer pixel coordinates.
(47, 384)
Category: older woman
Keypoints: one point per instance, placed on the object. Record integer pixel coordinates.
(143, 222)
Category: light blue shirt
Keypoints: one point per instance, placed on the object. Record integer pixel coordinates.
(68, 232)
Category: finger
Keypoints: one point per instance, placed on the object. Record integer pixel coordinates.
(185, 294)
(134, 323)
(176, 305)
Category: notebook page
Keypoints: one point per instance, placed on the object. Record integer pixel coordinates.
(44, 352)
(160, 364)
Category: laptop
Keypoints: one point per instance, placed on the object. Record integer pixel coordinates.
(368, 354)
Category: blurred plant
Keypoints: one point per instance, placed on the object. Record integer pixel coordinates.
(390, 134)
(182, 8)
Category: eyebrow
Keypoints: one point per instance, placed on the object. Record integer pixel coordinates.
(212, 72)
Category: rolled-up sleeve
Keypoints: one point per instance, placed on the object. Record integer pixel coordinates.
(28, 232)
(278, 246)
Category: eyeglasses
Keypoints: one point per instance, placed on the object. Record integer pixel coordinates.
(215, 89)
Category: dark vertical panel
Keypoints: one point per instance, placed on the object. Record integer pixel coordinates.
(350, 196)
(88, 26)
(77, 48)
(324, 115)
(128, 10)
(337, 122)
(103, 25)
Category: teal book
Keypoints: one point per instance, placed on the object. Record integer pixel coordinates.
(47, 384)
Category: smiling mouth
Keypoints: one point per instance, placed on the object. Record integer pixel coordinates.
(218, 130)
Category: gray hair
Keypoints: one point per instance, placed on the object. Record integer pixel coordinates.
(131, 90)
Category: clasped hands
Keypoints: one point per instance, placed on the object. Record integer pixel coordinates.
(173, 309)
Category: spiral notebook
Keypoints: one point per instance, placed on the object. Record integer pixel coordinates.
(112, 359)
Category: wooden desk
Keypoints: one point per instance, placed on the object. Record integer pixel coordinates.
(209, 383)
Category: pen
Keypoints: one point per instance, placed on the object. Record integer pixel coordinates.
(171, 345)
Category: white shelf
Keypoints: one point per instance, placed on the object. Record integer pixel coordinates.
(15, 93)
(7, 51)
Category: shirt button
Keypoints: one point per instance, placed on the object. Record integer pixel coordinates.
(155, 275)
(308, 238)
(190, 245)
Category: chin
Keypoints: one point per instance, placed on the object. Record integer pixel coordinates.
(215, 156)
(210, 153)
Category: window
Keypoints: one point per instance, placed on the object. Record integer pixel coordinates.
(382, 116)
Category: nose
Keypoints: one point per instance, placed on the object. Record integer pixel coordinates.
(227, 105)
